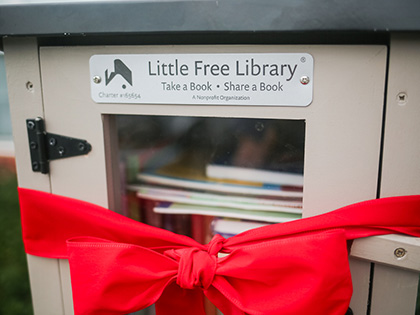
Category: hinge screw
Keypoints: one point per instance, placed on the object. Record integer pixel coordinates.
(97, 79)
(304, 80)
(82, 146)
(33, 145)
(31, 125)
(35, 166)
(52, 142)
(61, 150)
(400, 252)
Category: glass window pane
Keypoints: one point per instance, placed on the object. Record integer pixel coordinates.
(201, 176)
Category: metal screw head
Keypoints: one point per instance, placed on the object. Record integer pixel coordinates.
(29, 86)
(400, 252)
(35, 166)
(33, 145)
(31, 125)
(402, 98)
(52, 142)
(304, 80)
(61, 150)
(81, 146)
(97, 79)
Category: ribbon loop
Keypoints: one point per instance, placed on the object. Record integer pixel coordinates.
(216, 244)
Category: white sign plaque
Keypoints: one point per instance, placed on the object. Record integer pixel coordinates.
(278, 79)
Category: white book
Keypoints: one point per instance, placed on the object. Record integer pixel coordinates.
(266, 216)
(234, 227)
(216, 200)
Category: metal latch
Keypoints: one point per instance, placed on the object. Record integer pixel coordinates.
(45, 146)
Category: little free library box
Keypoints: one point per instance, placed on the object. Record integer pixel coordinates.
(211, 118)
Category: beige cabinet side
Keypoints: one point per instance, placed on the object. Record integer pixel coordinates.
(401, 167)
(400, 172)
(394, 291)
(360, 275)
(25, 98)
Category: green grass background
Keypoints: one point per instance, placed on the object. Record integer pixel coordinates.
(15, 296)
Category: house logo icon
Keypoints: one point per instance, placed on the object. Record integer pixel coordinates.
(119, 69)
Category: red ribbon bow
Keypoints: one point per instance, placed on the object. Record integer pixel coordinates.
(119, 265)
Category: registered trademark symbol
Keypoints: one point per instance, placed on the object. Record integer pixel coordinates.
(303, 59)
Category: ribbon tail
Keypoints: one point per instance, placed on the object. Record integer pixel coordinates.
(363, 219)
(222, 303)
(107, 279)
(177, 301)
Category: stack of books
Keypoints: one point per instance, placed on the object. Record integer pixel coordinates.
(218, 191)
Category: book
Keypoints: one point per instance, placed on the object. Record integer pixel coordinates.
(229, 227)
(259, 189)
(188, 171)
(179, 195)
(177, 223)
(148, 215)
(219, 171)
(201, 228)
(132, 206)
(266, 216)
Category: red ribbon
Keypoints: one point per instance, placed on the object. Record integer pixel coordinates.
(120, 266)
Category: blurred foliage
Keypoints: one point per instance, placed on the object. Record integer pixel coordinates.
(15, 296)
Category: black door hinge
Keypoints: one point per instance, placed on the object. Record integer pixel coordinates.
(45, 146)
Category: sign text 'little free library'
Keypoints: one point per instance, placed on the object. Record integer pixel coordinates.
(275, 79)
